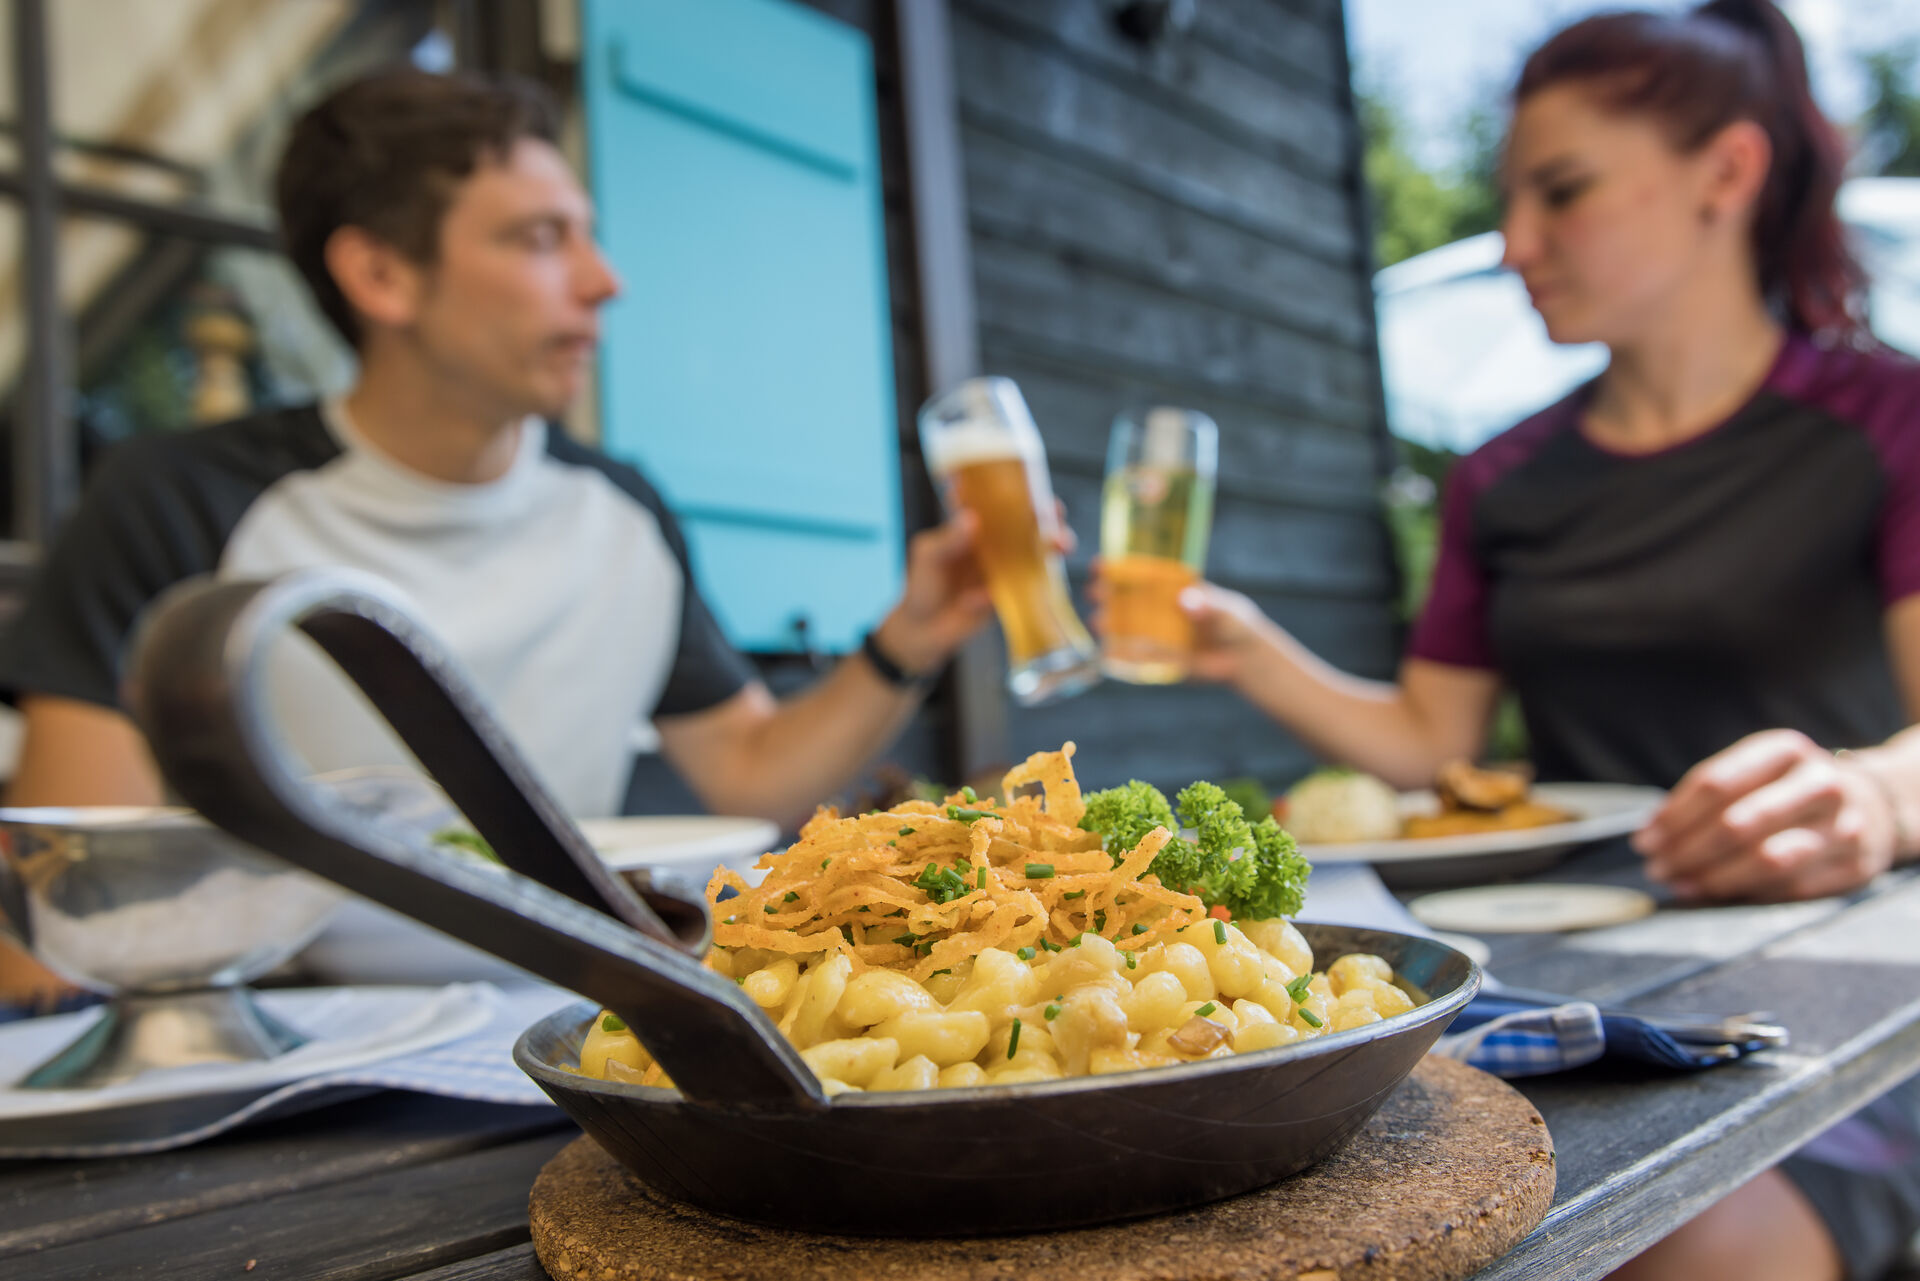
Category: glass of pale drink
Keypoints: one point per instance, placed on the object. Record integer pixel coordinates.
(986, 457)
(1156, 511)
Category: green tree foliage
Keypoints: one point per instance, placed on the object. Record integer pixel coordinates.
(1890, 128)
(1414, 208)
(1411, 211)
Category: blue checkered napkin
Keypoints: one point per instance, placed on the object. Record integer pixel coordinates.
(1525, 1040)
(1510, 1037)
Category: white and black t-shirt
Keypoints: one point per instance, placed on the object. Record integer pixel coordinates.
(563, 587)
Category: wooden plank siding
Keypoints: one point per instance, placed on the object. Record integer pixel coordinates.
(1182, 223)
(1178, 223)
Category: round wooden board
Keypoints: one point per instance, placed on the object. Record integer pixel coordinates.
(1445, 1178)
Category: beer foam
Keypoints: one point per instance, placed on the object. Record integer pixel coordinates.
(969, 443)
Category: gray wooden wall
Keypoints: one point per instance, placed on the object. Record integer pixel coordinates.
(1178, 224)
(1182, 224)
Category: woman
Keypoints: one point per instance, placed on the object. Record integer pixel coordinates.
(1709, 554)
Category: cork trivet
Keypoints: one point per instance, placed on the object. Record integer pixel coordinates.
(1447, 1177)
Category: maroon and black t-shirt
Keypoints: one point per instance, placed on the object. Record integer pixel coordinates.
(1650, 609)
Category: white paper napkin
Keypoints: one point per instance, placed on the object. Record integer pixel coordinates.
(455, 1040)
(1353, 894)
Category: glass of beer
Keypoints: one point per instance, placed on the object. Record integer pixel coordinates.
(985, 455)
(1156, 510)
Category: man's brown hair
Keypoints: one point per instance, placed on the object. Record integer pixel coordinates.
(385, 154)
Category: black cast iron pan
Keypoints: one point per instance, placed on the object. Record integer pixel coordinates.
(749, 1132)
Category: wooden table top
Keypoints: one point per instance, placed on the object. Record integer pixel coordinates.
(407, 1186)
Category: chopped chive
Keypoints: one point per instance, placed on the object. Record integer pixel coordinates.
(1206, 1009)
(942, 884)
(906, 831)
(963, 815)
(895, 844)
(612, 1023)
(1139, 929)
(1049, 945)
(825, 863)
(1100, 921)
(1074, 894)
(1133, 962)
(906, 940)
(969, 794)
(982, 879)
(1013, 1039)
(1039, 871)
(938, 973)
(769, 909)
(1311, 1019)
(791, 897)
(1025, 954)
(1052, 1012)
(1298, 988)
(1220, 933)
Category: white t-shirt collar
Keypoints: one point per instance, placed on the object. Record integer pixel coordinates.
(424, 499)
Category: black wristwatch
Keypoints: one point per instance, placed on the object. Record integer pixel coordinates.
(891, 672)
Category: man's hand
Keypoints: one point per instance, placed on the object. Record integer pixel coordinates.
(26, 982)
(1773, 817)
(944, 602)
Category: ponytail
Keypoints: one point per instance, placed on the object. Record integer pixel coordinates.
(1726, 61)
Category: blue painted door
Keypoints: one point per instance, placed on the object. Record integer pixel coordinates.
(747, 367)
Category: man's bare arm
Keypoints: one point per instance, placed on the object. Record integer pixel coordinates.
(74, 753)
(78, 753)
(777, 760)
(751, 755)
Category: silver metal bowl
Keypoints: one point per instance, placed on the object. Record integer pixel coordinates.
(167, 915)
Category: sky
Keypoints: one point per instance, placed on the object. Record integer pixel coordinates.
(1443, 56)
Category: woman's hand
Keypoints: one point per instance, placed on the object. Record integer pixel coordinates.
(1775, 816)
(1229, 631)
(1230, 634)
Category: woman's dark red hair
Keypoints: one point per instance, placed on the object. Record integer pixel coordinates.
(1698, 72)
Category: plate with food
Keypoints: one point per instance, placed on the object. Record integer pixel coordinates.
(749, 1126)
(1473, 824)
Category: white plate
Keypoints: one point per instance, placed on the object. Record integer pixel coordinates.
(1535, 908)
(692, 845)
(1601, 810)
(367, 943)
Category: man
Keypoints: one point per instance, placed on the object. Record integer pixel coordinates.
(443, 233)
